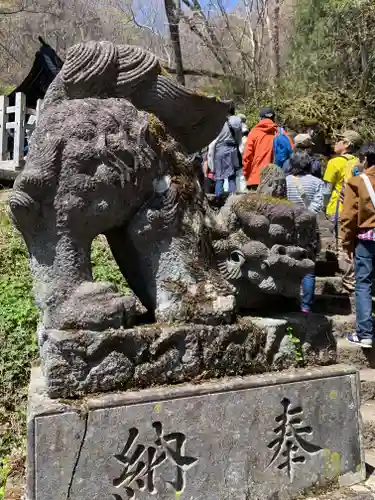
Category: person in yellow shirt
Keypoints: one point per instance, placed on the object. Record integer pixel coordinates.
(339, 170)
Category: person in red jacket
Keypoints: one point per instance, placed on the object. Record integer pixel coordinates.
(259, 147)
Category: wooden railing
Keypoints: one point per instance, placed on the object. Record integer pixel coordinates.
(13, 125)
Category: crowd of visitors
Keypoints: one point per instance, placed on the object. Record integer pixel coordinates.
(344, 191)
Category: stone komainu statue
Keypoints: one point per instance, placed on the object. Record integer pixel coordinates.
(110, 156)
(99, 145)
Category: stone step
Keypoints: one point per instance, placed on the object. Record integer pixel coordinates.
(326, 267)
(370, 467)
(367, 376)
(342, 324)
(351, 354)
(334, 304)
(331, 285)
(368, 423)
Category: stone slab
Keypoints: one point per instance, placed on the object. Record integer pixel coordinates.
(354, 355)
(368, 420)
(367, 377)
(263, 437)
(331, 285)
(82, 362)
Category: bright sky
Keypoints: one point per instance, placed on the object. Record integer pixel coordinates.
(152, 11)
(227, 3)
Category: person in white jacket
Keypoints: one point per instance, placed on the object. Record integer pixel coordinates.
(240, 180)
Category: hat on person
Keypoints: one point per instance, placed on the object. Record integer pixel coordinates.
(303, 140)
(267, 113)
(242, 117)
(351, 136)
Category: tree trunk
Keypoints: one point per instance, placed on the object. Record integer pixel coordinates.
(199, 25)
(172, 10)
(276, 41)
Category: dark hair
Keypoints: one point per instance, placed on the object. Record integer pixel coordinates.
(302, 147)
(267, 113)
(368, 151)
(351, 149)
(232, 109)
(300, 162)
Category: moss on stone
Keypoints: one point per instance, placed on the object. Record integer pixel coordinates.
(266, 205)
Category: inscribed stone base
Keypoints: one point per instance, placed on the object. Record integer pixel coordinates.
(263, 437)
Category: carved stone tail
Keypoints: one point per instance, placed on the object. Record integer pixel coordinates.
(101, 69)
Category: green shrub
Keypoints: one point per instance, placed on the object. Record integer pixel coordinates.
(18, 322)
(6, 88)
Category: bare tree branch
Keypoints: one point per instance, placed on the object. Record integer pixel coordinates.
(140, 25)
(205, 32)
(193, 72)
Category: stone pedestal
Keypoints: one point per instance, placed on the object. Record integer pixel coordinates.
(76, 363)
(262, 437)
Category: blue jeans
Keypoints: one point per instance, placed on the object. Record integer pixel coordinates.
(364, 254)
(308, 284)
(219, 185)
(308, 291)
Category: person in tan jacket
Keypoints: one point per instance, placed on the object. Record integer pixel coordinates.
(358, 240)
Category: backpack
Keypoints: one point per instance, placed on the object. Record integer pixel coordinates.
(350, 171)
(351, 164)
(239, 154)
(282, 147)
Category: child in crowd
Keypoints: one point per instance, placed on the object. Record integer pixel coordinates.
(306, 190)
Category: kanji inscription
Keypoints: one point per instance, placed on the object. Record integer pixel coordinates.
(140, 463)
(289, 447)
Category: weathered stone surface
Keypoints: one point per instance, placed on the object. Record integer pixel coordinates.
(368, 423)
(330, 284)
(342, 324)
(109, 130)
(178, 283)
(262, 246)
(84, 361)
(261, 437)
(335, 304)
(258, 243)
(298, 337)
(367, 376)
(326, 262)
(272, 182)
(344, 494)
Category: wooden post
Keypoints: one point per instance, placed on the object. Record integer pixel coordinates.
(4, 102)
(19, 130)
